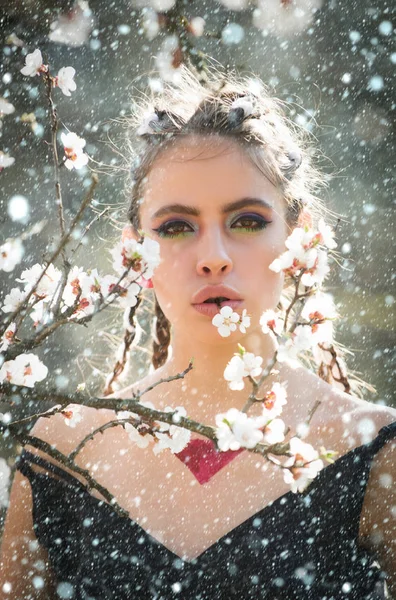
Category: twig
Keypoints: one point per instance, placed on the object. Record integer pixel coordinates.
(53, 257)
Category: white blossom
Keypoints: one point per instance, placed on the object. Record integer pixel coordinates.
(72, 415)
(317, 274)
(171, 436)
(11, 253)
(326, 235)
(65, 81)
(13, 300)
(33, 64)
(48, 283)
(73, 146)
(5, 160)
(225, 321)
(274, 400)
(235, 430)
(7, 337)
(141, 258)
(6, 108)
(271, 323)
(303, 466)
(273, 432)
(285, 18)
(74, 26)
(25, 370)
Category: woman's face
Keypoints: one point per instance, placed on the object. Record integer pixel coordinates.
(218, 221)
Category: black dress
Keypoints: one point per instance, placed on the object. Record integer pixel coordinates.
(303, 546)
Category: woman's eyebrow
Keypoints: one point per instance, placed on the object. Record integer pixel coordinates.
(192, 211)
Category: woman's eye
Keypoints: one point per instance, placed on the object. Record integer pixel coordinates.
(173, 229)
(250, 223)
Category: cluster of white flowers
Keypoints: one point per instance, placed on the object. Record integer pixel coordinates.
(242, 364)
(64, 79)
(130, 254)
(227, 321)
(74, 153)
(11, 253)
(81, 297)
(75, 158)
(24, 370)
(305, 255)
(169, 437)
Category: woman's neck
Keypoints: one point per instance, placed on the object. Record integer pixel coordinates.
(204, 392)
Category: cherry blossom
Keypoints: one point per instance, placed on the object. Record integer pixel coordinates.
(72, 415)
(5, 474)
(13, 300)
(244, 321)
(318, 272)
(235, 430)
(48, 283)
(226, 321)
(140, 257)
(5, 161)
(271, 323)
(11, 253)
(6, 108)
(33, 64)
(303, 466)
(171, 436)
(73, 146)
(273, 432)
(65, 81)
(285, 18)
(304, 254)
(242, 365)
(7, 337)
(73, 27)
(273, 402)
(25, 370)
(326, 235)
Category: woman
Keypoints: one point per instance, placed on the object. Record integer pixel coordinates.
(221, 183)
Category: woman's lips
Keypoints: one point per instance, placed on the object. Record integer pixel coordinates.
(210, 309)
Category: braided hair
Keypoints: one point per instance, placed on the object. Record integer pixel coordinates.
(161, 337)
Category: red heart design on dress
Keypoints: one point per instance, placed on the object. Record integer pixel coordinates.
(204, 460)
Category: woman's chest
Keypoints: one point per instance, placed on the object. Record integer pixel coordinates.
(162, 495)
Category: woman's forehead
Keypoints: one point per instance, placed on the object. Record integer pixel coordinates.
(205, 167)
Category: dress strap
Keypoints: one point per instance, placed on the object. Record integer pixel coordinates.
(26, 457)
(385, 434)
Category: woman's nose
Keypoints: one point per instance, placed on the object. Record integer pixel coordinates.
(213, 257)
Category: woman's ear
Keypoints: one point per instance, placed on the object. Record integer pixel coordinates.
(129, 233)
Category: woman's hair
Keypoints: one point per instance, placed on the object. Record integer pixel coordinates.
(236, 107)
